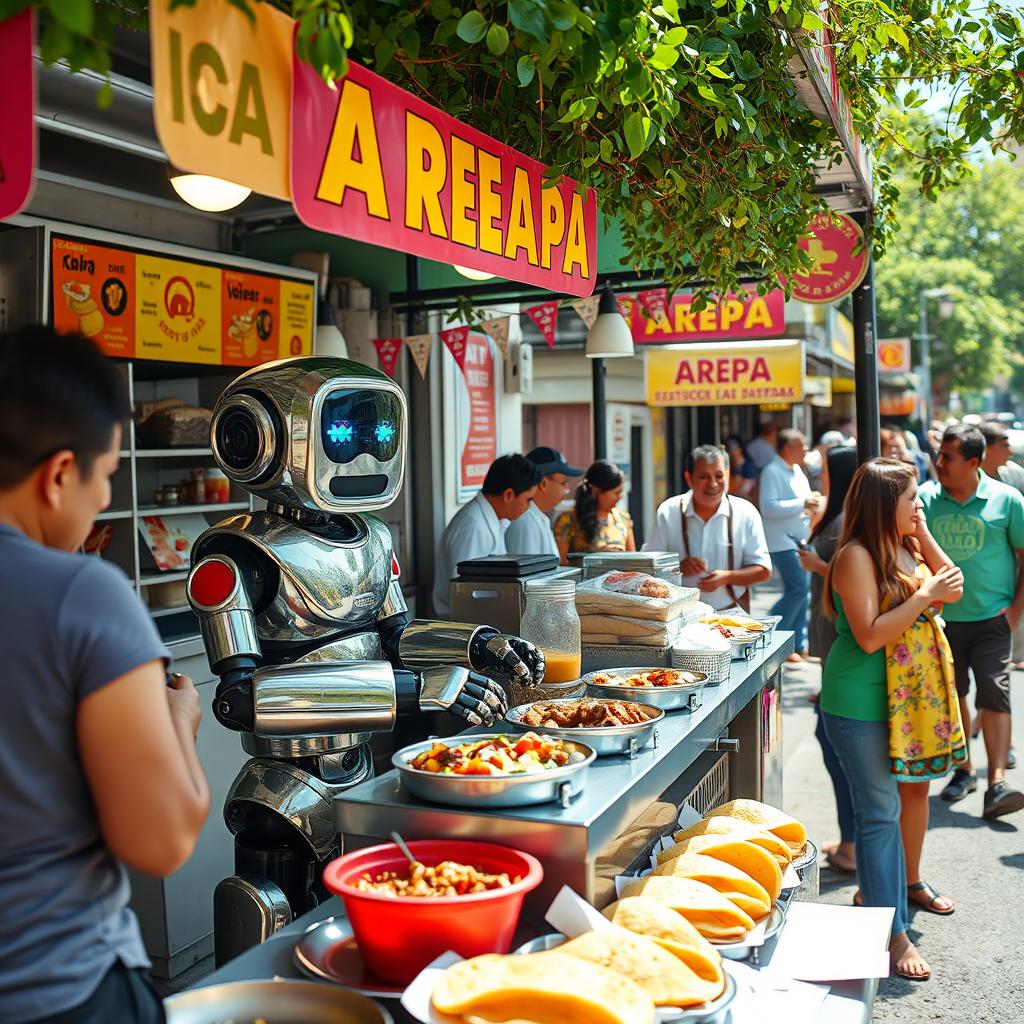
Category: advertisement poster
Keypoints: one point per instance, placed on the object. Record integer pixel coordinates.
(170, 540)
(766, 372)
(835, 244)
(134, 305)
(94, 294)
(477, 415)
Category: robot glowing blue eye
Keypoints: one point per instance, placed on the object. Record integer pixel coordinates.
(385, 432)
(340, 433)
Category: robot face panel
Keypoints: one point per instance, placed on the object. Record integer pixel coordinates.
(325, 435)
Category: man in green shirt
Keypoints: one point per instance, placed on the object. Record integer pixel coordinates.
(979, 523)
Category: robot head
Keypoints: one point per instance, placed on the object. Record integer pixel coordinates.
(325, 435)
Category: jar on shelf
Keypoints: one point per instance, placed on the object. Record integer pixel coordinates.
(198, 492)
(551, 623)
(218, 487)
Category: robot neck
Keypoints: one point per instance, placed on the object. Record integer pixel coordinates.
(344, 528)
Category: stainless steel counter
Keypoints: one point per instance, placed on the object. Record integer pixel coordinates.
(570, 840)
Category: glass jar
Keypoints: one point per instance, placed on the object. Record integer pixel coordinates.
(551, 623)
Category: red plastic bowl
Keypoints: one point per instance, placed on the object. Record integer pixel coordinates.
(398, 936)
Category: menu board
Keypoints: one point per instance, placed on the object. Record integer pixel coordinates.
(137, 305)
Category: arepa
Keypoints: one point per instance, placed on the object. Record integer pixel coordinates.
(748, 857)
(705, 908)
(735, 885)
(783, 825)
(721, 825)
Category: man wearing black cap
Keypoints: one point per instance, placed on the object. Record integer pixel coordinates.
(531, 533)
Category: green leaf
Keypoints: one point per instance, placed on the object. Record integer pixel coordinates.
(636, 128)
(440, 9)
(54, 43)
(675, 36)
(664, 56)
(74, 15)
(382, 53)
(811, 22)
(525, 16)
(717, 72)
(105, 96)
(525, 69)
(472, 27)
(607, 151)
(410, 40)
(497, 39)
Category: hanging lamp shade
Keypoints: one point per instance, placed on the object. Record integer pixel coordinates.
(609, 336)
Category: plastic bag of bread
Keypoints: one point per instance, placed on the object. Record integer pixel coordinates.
(636, 595)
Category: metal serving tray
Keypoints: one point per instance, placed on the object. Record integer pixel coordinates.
(715, 1012)
(743, 950)
(606, 740)
(494, 791)
(281, 1001)
(686, 697)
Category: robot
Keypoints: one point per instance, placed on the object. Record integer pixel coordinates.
(305, 625)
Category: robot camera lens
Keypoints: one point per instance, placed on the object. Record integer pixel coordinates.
(238, 439)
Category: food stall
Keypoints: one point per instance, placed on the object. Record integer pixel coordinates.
(702, 759)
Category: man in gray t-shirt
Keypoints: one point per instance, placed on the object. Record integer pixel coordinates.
(97, 753)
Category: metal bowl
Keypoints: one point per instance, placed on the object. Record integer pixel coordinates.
(606, 740)
(685, 697)
(281, 1001)
(492, 791)
(743, 950)
(715, 1012)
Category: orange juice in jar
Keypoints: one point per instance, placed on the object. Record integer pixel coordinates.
(561, 667)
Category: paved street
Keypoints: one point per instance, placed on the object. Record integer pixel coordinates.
(976, 953)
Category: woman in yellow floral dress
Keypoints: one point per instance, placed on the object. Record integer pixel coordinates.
(596, 523)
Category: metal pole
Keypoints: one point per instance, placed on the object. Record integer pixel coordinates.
(926, 361)
(865, 367)
(597, 372)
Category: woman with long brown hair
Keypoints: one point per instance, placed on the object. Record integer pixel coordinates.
(887, 574)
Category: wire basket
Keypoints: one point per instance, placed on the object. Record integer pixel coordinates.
(714, 664)
(520, 693)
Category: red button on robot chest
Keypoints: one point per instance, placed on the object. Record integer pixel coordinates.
(212, 583)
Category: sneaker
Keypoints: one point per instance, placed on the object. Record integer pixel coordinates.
(962, 783)
(1011, 759)
(1000, 800)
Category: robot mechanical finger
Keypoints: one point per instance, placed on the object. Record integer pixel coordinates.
(486, 696)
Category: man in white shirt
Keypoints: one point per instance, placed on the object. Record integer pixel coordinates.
(478, 528)
(531, 533)
(787, 503)
(719, 537)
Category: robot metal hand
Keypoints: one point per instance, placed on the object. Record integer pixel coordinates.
(518, 658)
(475, 698)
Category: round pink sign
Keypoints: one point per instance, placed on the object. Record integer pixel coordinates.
(835, 243)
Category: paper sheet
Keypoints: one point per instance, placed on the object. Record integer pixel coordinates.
(827, 943)
(768, 996)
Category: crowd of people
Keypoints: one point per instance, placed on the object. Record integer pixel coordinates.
(899, 576)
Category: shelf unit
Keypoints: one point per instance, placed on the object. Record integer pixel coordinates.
(143, 470)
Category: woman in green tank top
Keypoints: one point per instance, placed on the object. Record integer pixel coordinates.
(884, 538)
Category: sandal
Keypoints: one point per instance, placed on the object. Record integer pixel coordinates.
(931, 896)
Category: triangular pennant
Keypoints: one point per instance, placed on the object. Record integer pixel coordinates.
(626, 304)
(497, 331)
(388, 351)
(655, 301)
(455, 339)
(587, 309)
(545, 316)
(419, 346)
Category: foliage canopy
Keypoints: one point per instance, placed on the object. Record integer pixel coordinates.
(683, 116)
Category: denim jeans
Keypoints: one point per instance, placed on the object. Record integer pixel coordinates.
(840, 784)
(796, 595)
(863, 752)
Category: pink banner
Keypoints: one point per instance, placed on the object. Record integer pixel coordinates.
(481, 447)
(545, 316)
(371, 161)
(455, 339)
(756, 316)
(17, 124)
(388, 351)
(655, 301)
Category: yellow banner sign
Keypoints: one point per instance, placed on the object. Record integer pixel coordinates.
(768, 372)
(222, 87)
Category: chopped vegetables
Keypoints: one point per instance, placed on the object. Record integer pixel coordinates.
(497, 755)
(449, 878)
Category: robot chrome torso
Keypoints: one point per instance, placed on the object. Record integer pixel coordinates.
(305, 624)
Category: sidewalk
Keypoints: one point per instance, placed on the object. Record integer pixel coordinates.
(976, 953)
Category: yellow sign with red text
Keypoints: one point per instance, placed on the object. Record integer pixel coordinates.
(222, 89)
(768, 372)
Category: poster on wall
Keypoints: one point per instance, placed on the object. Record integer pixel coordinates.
(136, 305)
(476, 407)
